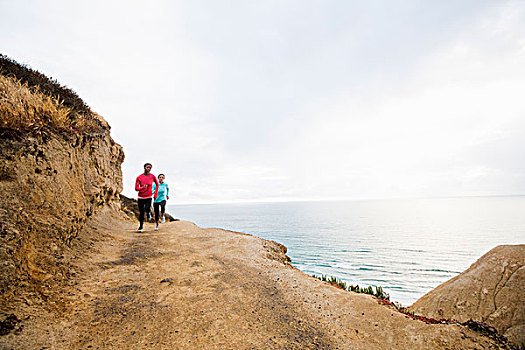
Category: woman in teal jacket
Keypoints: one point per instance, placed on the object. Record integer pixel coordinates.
(163, 194)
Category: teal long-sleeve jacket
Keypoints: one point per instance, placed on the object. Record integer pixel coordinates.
(163, 192)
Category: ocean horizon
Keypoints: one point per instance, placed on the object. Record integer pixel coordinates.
(406, 246)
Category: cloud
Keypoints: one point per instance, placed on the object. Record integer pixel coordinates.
(295, 100)
(429, 134)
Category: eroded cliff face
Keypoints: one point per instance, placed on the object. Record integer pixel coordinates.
(50, 184)
(490, 291)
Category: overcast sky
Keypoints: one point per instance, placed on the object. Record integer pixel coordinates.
(294, 100)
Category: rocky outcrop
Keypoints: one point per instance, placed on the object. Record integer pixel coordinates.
(490, 291)
(185, 287)
(58, 167)
(130, 207)
(50, 184)
(74, 275)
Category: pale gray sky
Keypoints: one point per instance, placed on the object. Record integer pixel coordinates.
(293, 100)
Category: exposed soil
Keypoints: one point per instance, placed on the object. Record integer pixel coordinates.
(184, 287)
(490, 291)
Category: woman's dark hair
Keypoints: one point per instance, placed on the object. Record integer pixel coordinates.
(161, 174)
(148, 164)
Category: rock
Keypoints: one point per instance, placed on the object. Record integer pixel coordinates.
(130, 206)
(490, 291)
(52, 179)
(8, 324)
(60, 213)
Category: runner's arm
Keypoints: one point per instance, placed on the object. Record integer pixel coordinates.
(156, 187)
(138, 185)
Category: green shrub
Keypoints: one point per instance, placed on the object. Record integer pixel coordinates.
(379, 293)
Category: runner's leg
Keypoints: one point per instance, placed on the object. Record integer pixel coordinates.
(156, 206)
(141, 211)
(163, 209)
(147, 206)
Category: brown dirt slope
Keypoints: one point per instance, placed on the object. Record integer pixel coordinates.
(75, 275)
(490, 291)
(184, 287)
(50, 184)
(58, 167)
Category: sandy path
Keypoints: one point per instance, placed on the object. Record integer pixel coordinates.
(184, 287)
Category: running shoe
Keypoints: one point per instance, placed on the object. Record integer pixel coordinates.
(163, 220)
(156, 227)
(149, 216)
(140, 230)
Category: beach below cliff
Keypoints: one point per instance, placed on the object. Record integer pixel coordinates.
(184, 287)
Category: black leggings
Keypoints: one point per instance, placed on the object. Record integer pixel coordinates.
(156, 205)
(144, 207)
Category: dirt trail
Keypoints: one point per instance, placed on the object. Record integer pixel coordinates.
(184, 287)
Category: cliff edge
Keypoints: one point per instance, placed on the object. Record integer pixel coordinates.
(76, 275)
(184, 287)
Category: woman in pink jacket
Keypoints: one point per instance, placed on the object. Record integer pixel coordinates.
(143, 185)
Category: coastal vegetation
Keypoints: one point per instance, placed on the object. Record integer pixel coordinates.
(59, 167)
(74, 269)
(384, 299)
(379, 293)
(30, 102)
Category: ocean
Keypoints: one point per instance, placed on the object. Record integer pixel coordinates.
(408, 247)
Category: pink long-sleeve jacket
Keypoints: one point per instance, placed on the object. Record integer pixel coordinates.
(144, 184)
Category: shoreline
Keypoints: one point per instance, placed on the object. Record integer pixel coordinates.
(77, 275)
(406, 254)
(187, 287)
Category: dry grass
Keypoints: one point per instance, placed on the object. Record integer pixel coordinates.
(45, 84)
(26, 109)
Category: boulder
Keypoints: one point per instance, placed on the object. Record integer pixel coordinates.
(490, 291)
